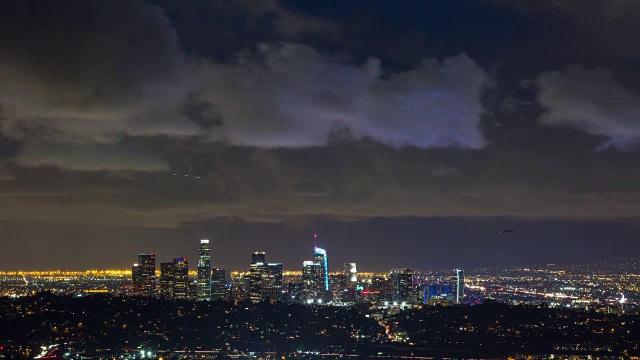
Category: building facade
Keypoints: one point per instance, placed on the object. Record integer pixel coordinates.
(203, 291)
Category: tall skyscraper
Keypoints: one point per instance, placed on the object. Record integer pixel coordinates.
(459, 285)
(166, 280)
(402, 282)
(136, 280)
(180, 278)
(143, 275)
(309, 288)
(221, 284)
(315, 276)
(204, 271)
(351, 272)
(323, 274)
(265, 279)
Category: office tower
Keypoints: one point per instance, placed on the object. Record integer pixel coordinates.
(180, 278)
(265, 279)
(338, 286)
(309, 288)
(459, 285)
(147, 271)
(166, 280)
(257, 272)
(136, 280)
(204, 271)
(402, 282)
(272, 283)
(221, 284)
(350, 272)
(322, 274)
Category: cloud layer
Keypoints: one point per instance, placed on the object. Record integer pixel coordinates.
(591, 100)
(102, 72)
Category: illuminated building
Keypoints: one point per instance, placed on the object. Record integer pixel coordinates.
(309, 288)
(166, 280)
(265, 279)
(180, 278)
(350, 272)
(220, 284)
(459, 285)
(272, 283)
(322, 275)
(143, 275)
(402, 282)
(315, 276)
(204, 271)
(136, 280)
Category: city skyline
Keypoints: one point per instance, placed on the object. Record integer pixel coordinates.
(398, 132)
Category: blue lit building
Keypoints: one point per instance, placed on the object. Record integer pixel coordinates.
(322, 275)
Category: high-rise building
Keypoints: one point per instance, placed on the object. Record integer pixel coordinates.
(265, 279)
(322, 275)
(257, 272)
(136, 280)
(459, 285)
(147, 264)
(350, 272)
(272, 286)
(204, 271)
(315, 276)
(143, 275)
(166, 280)
(309, 286)
(402, 282)
(221, 284)
(180, 278)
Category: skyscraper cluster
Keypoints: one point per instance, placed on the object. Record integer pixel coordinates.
(175, 282)
(265, 281)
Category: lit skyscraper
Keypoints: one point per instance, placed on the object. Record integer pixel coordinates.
(402, 282)
(351, 272)
(322, 275)
(180, 278)
(309, 288)
(204, 271)
(220, 284)
(459, 285)
(136, 280)
(315, 276)
(265, 279)
(143, 275)
(166, 280)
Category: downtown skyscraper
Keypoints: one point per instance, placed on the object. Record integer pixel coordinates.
(204, 271)
(315, 276)
(265, 279)
(143, 275)
(458, 291)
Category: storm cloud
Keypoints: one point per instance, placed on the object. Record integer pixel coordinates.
(142, 114)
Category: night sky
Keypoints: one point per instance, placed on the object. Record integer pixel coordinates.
(404, 133)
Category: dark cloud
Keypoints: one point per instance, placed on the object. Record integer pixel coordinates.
(610, 25)
(591, 100)
(202, 113)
